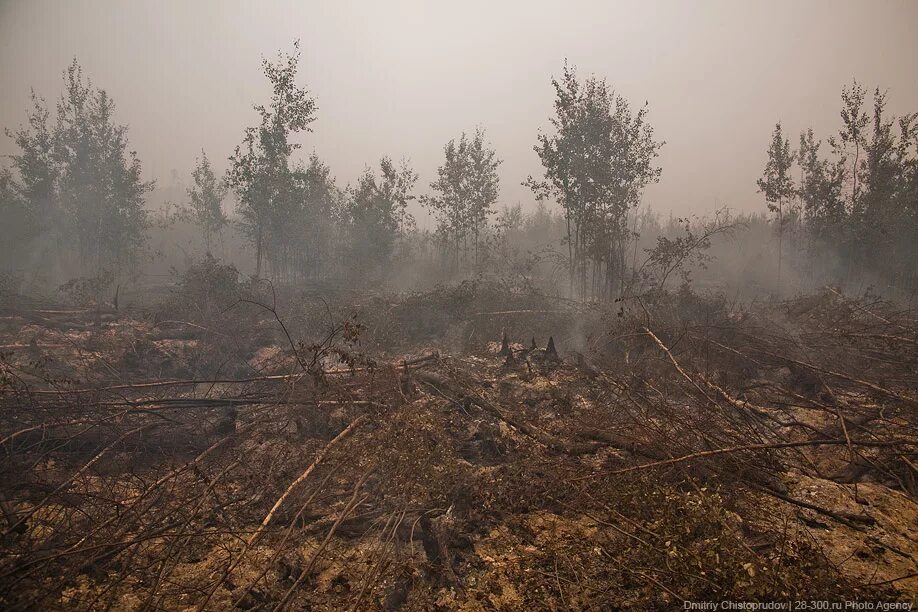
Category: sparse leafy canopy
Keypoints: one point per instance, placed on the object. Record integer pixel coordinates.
(466, 190)
(207, 200)
(821, 186)
(853, 132)
(860, 207)
(778, 185)
(378, 216)
(260, 172)
(78, 179)
(597, 163)
(776, 182)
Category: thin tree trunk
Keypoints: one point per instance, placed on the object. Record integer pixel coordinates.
(258, 253)
(570, 255)
(780, 242)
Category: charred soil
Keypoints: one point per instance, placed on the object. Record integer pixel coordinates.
(403, 457)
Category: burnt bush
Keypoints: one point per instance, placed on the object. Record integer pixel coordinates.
(466, 316)
(88, 291)
(211, 309)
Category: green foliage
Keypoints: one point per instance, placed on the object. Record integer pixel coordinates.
(76, 182)
(821, 187)
(777, 185)
(861, 204)
(467, 187)
(207, 200)
(597, 164)
(378, 218)
(300, 223)
(853, 132)
(20, 224)
(776, 182)
(260, 172)
(312, 230)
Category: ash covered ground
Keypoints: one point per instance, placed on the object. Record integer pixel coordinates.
(256, 448)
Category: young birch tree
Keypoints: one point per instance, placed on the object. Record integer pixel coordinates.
(260, 172)
(207, 200)
(378, 218)
(466, 189)
(597, 163)
(778, 185)
(78, 179)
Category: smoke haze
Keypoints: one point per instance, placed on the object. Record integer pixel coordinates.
(402, 78)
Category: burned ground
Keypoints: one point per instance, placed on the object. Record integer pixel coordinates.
(261, 449)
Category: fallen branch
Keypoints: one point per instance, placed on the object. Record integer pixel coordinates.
(749, 447)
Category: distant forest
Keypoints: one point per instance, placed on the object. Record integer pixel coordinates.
(74, 204)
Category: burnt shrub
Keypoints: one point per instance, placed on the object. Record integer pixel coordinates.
(211, 307)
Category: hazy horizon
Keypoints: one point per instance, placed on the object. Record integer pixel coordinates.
(404, 78)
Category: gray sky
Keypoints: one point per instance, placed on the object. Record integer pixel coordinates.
(401, 78)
